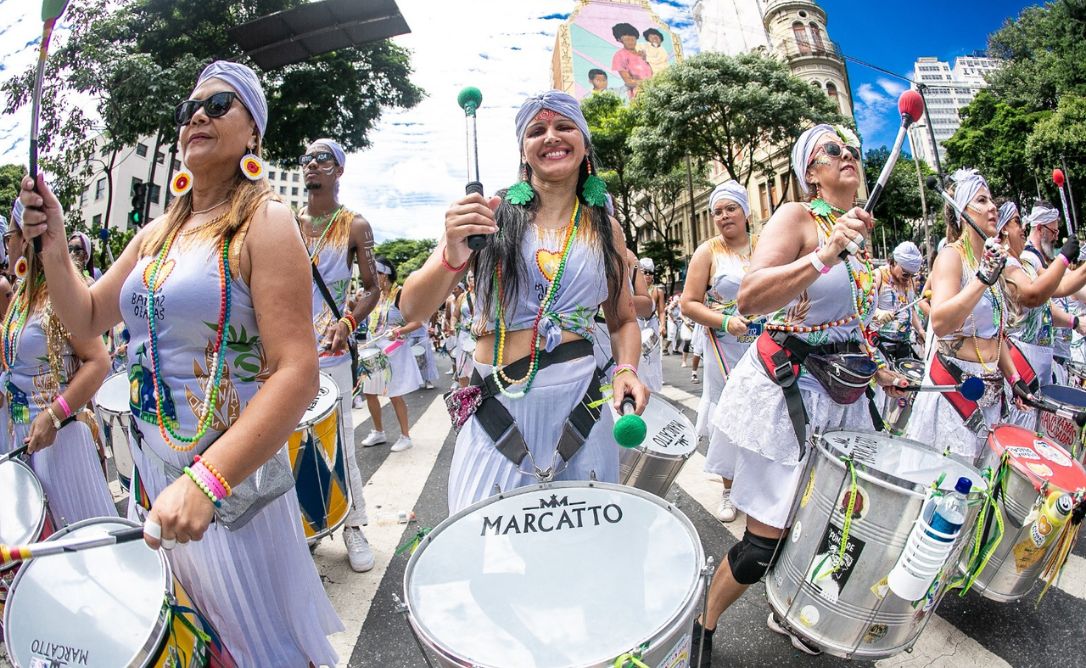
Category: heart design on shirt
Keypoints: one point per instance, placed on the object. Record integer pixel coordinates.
(163, 273)
(548, 262)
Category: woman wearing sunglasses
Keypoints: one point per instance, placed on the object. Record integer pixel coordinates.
(79, 247)
(820, 305)
(224, 277)
(895, 285)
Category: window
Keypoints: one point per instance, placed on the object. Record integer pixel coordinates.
(271, 175)
(817, 85)
(160, 158)
(763, 194)
(282, 190)
(96, 221)
(772, 195)
(831, 90)
(294, 191)
(100, 189)
(800, 33)
(294, 177)
(156, 191)
(786, 180)
(816, 37)
(83, 198)
(176, 165)
(141, 150)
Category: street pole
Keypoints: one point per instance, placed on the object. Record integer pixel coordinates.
(693, 208)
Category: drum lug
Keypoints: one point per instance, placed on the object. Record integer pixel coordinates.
(402, 608)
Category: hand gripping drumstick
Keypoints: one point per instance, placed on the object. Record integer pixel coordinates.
(50, 12)
(911, 106)
(1022, 392)
(10, 554)
(470, 99)
(1061, 183)
(630, 429)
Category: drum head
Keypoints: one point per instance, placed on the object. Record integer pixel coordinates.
(899, 461)
(417, 350)
(114, 394)
(97, 607)
(562, 574)
(326, 399)
(911, 369)
(669, 432)
(370, 353)
(23, 512)
(1037, 458)
(1072, 397)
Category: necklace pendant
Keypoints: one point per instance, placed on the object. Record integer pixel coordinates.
(821, 207)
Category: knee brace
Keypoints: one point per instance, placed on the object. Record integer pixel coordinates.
(750, 558)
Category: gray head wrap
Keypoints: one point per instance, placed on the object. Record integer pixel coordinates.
(968, 183)
(84, 241)
(335, 148)
(244, 80)
(647, 265)
(1043, 215)
(908, 257)
(730, 189)
(1007, 211)
(802, 149)
(558, 102)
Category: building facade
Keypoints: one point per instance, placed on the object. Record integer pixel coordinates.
(132, 165)
(946, 90)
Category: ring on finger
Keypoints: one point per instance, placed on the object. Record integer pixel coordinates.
(168, 543)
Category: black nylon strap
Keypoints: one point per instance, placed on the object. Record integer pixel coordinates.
(327, 294)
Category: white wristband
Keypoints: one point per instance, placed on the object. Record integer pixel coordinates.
(817, 263)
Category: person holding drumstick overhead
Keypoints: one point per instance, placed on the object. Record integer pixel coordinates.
(216, 293)
(819, 306)
(532, 410)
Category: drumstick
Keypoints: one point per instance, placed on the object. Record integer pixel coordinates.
(909, 305)
(469, 100)
(14, 453)
(970, 388)
(10, 554)
(932, 182)
(630, 429)
(372, 342)
(1078, 417)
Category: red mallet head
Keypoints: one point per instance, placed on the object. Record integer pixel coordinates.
(1057, 177)
(911, 106)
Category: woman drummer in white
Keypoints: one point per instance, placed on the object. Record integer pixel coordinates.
(542, 278)
(817, 300)
(190, 287)
(393, 374)
(49, 377)
(709, 299)
(969, 319)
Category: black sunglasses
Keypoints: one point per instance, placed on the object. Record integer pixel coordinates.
(215, 106)
(76, 249)
(319, 156)
(833, 149)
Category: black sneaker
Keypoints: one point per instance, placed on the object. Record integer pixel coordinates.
(797, 642)
(704, 658)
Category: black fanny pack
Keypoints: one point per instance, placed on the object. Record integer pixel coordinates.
(845, 376)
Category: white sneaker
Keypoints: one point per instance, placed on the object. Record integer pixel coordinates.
(375, 438)
(797, 642)
(358, 402)
(429, 385)
(726, 511)
(694, 377)
(402, 443)
(358, 550)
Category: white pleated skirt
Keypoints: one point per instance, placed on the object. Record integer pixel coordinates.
(479, 471)
(650, 368)
(400, 377)
(714, 377)
(71, 475)
(257, 585)
(429, 361)
(464, 362)
(936, 424)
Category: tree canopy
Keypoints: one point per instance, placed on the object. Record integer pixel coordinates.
(899, 207)
(407, 254)
(611, 122)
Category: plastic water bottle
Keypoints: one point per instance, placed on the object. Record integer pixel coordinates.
(930, 543)
(949, 515)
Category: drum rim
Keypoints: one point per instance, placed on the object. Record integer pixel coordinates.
(127, 402)
(657, 396)
(44, 505)
(158, 631)
(864, 471)
(671, 509)
(1063, 404)
(1035, 480)
(306, 424)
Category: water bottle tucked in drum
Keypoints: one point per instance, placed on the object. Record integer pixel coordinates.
(949, 514)
(930, 543)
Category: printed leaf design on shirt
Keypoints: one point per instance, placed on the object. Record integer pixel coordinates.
(798, 313)
(245, 354)
(228, 405)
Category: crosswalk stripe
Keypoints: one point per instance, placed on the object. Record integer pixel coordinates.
(394, 487)
(941, 644)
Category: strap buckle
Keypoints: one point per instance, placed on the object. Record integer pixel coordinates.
(782, 367)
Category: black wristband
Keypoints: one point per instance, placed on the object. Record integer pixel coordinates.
(1074, 322)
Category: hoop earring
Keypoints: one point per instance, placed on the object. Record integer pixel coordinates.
(252, 167)
(521, 192)
(594, 191)
(181, 183)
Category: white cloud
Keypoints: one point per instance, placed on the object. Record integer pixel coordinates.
(876, 103)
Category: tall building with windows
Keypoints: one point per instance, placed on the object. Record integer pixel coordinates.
(946, 90)
(132, 165)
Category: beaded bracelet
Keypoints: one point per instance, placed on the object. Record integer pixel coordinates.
(201, 462)
(194, 477)
(63, 403)
(621, 368)
(455, 270)
(210, 480)
(349, 321)
(724, 323)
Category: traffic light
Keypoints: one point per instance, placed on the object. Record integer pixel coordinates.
(139, 198)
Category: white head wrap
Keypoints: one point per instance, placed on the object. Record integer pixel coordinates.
(1007, 211)
(730, 189)
(1043, 215)
(244, 80)
(84, 241)
(335, 148)
(383, 268)
(805, 146)
(908, 257)
(558, 102)
(968, 183)
(647, 265)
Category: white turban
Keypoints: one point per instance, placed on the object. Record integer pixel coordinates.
(908, 257)
(647, 265)
(244, 80)
(968, 183)
(1007, 211)
(335, 148)
(730, 189)
(16, 216)
(1043, 215)
(802, 149)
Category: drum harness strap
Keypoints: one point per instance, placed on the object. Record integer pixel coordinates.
(781, 355)
(837, 560)
(985, 541)
(500, 426)
(204, 632)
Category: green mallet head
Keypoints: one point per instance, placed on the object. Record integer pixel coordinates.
(630, 429)
(470, 99)
(51, 9)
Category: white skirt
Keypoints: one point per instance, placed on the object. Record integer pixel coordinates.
(71, 475)
(714, 377)
(257, 585)
(479, 471)
(697, 342)
(764, 489)
(396, 378)
(935, 423)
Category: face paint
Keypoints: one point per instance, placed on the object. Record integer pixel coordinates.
(546, 115)
(821, 161)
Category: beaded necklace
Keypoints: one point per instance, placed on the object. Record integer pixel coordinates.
(14, 322)
(166, 425)
(499, 340)
(327, 221)
(965, 249)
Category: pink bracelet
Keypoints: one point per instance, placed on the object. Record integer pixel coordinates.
(1066, 260)
(1014, 379)
(624, 367)
(209, 479)
(63, 403)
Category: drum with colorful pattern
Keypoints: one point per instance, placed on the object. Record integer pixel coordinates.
(318, 459)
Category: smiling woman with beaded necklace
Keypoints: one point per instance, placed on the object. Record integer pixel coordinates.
(555, 258)
(222, 362)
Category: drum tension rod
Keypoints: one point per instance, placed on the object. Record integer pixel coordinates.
(402, 608)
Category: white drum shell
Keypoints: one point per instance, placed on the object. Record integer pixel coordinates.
(550, 599)
(111, 407)
(22, 515)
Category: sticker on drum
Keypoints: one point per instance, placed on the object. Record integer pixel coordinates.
(542, 577)
(1027, 458)
(809, 615)
(23, 514)
(669, 432)
(327, 396)
(911, 369)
